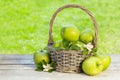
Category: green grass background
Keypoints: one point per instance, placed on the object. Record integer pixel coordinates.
(24, 24)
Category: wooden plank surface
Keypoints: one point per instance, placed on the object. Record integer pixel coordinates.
(21, 67)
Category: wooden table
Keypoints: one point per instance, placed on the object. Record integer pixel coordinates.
(21, 67)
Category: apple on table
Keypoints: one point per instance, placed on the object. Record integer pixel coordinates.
(92, 66)
(95, 64)
(40, 56)
(106, 60)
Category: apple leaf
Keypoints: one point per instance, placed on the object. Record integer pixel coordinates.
(94, 50)
(85, 51)
(52, 64)
(39, 67)
(44, 62)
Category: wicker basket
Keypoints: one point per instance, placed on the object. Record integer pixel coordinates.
(69, 60)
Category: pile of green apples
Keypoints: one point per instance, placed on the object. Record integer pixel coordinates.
(90, 66)
(73, 39)
(96, 64)
(73, 34)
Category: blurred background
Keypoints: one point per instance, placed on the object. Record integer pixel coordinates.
(24, 24)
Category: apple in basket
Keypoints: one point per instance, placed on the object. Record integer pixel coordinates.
(58, 45)
(70, 33)
(92, 66)
(106, 60)
(86, 36)
(40, 57)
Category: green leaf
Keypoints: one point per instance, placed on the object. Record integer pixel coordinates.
(94, 50)
(40, 64)
(76, 46)
(65, 44)
(85, 51)
(44, 62)
(52, 64)
(51, 70)
(39, 67)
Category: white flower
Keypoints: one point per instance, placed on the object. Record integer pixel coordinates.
(47, 67)
(89, 46)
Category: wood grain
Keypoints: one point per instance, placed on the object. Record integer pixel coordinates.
(21, 67)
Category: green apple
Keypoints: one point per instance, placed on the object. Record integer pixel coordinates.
(86, 36)
(70, 33)
(92, 66)
(58, 45)
(106, 60)
(39, 56)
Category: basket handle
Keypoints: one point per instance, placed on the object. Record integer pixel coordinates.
(51, 42)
